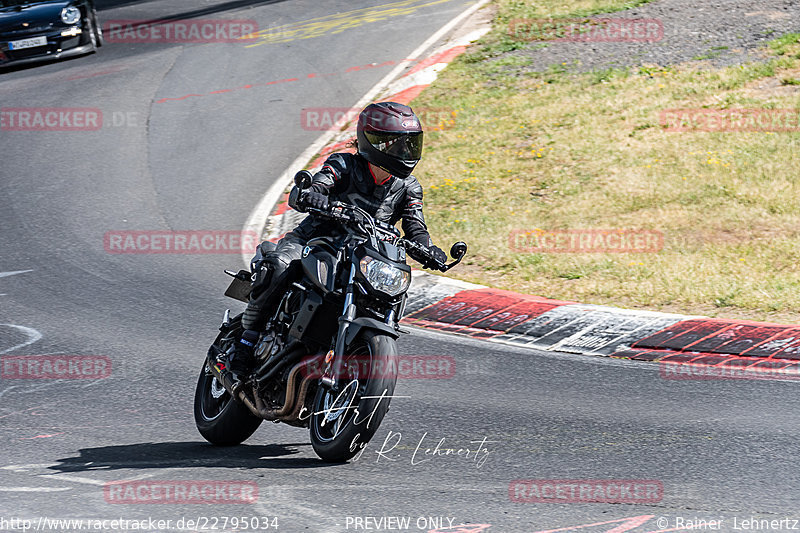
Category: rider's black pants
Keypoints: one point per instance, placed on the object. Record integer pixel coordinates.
(273, 279)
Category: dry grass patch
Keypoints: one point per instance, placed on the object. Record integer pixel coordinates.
(555, 151)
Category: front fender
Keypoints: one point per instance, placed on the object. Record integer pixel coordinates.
(368, 323)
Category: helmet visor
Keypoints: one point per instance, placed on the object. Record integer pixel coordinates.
(397, 145)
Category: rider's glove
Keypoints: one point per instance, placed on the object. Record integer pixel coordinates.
(438, 254)
(316, 200)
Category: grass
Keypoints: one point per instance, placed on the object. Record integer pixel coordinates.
(501, 40)
(558, 150)
(713, 53)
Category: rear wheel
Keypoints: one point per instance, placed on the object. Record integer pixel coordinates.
(343, 422)
(220, 419)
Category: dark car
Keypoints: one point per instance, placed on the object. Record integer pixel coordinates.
(36, 30)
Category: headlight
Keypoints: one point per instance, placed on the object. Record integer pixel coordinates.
(385, 277)
(70, 15)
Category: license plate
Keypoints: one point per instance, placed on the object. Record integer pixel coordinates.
(27, 43)
(240, 289)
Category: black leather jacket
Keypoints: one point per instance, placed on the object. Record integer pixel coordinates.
(346, 178)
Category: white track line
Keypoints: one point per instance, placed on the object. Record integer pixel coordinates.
(88, 480)
(7, 274)
(258, 217)
(32, 334)
(33, 489)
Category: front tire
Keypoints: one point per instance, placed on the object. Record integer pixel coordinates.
(342, 423)
(97, 33)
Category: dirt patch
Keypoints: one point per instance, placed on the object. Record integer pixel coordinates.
(710, 33)
(783, 85)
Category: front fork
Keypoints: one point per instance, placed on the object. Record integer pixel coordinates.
(335, 358)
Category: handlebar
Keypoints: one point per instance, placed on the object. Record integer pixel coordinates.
(355, 216)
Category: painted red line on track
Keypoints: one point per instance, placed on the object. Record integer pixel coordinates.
(370, 66)
(356, 68)
(282, 81)
(41, 436)
(625, 524)
(176, 99)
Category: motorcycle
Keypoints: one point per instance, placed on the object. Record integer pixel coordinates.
(327, 359)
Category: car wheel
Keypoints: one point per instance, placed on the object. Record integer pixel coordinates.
(97, 33)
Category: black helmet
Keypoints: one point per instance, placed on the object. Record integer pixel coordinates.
(390, 137)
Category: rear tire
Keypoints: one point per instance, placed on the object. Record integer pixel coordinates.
(220, 419)
(338, 434)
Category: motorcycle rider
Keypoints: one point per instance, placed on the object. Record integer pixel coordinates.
(377, 179)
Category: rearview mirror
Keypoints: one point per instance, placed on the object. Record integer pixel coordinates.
(303, 179)
(458, 250)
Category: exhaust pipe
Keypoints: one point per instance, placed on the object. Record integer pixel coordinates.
(293, 401)
(291, 407)
(224, 376)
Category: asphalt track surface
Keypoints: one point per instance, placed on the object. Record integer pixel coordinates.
(721, 449)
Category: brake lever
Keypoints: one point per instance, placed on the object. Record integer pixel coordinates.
(445, 267)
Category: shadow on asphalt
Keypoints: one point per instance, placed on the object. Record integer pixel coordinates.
(29, 66)
(187, 455)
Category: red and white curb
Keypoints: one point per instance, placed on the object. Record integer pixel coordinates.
(553, 325)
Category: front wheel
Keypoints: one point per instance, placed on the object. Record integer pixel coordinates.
(343, 422)
(220, 419)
